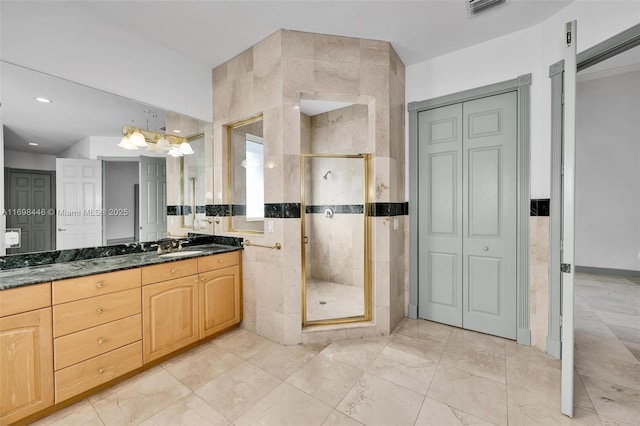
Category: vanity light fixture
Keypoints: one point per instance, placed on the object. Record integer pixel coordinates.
(33, 144)
(134, 138)
(43, 100)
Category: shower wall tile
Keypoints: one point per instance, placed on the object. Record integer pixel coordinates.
(271, 77)
(336, 49)
(373, 51)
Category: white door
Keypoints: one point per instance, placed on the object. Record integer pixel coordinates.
(467, 195)
(568, 216)
(153, 198)
(79, 203)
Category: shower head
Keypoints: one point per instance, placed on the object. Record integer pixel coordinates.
(326, 174)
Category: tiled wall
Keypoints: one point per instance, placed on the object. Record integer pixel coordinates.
(272, 77)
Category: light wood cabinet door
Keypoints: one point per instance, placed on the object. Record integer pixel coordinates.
(220, 300)
(169, 316)
(26, 364)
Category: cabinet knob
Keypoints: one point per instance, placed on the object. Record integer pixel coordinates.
(101, 340)
(100, 310)
(173, 270)
(220, 261)
(100, 370)
(100, 284)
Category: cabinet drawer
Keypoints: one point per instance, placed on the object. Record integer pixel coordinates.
(217, 261)
(94, 285)
(23, 299)
(169, 271)
(76, 347)
(82, 314)
(80, 377)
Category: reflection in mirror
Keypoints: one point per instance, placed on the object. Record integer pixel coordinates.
(64, 159)
(246, 175)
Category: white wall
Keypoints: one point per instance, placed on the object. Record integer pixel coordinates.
(119, 178)
(95, 147)
(30, 161)
(531, 50)
(79, 150)
(608, 172)
(66, 41)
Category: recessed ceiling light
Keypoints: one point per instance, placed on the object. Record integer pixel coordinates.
(177, 131)
(33, 144)
(43, 100)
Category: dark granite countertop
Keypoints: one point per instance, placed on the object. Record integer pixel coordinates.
(11, 278)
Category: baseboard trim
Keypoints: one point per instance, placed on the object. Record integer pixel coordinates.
(523, 336)
(553, 347)
(608, 271)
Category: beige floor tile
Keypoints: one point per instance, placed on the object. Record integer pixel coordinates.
(531, 354)
(602, 348)
(613, 371)
(475, 360)
(425, 329)
(325, 379)
(580, 396)
(478, 340)
(528, 408)
(475, 395)
(243, 343)
(369, 402)
(336, 418)
(404, 369)
(434, 413)
(613, 401)
(189, 411)
(202, 366)
(237, 390)
(126, 383)
(138, 400)
(283, 361)
(536, 377)
(593, 327)
(79, 414)
(426, 348)
(356, 353)
(286, 405)
(619, 320)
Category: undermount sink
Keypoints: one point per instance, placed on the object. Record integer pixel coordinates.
(181, 253)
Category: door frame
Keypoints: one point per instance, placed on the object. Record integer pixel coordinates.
(52, 174)
(521, 85)
(612, 46)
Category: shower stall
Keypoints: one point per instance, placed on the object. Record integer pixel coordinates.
(336, 258)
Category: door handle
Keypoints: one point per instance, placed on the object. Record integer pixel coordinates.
(61, 229)
(485, 248)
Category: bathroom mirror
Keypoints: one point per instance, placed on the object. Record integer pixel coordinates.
(246, 175)
(85, 124)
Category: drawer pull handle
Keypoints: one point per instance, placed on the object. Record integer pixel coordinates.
(100, 284)
(173, 270)
(100, 310)
(100, 370)
(101, 340)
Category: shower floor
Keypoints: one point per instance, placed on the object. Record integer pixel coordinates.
(341, 301)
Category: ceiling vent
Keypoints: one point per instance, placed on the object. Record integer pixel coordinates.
(480, 6)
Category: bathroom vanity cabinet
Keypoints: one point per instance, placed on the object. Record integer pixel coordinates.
(63, 339)
(202, 298)
(26, 352)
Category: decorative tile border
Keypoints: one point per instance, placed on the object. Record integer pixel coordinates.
(184, 210)
(292, 210)
(337, 208)
(540, 207)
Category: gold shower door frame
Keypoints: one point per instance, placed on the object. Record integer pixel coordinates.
(367, 316)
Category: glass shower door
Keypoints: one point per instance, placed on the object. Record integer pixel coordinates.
(335, 239)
